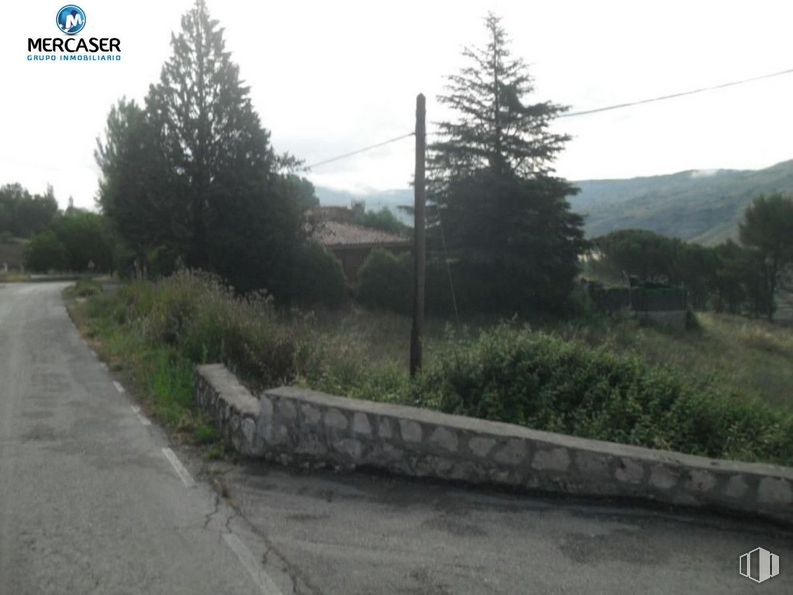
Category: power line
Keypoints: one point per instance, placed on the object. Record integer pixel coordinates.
(675, 95)
(573, 114)
(356, 152)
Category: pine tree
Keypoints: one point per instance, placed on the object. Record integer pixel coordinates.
(507, 224)
(193, 176)
(209, 133)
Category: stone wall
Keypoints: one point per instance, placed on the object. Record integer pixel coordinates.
(296, 426)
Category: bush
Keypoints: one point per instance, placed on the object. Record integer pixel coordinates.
(45, 252)
(318, 277)
(385, 281)
(546, 383)
(87, 288)
(206, 322)
(85, 241)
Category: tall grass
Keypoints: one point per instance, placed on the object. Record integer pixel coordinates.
(544, 382)
(206, 322)
(601, 379)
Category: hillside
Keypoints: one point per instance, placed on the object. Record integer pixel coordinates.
(700, 206)
(693, 205)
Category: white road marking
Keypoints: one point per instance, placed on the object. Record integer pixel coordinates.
(252, 565)
(118, 386)
(104, 365)
(183, 473)
(141, 417)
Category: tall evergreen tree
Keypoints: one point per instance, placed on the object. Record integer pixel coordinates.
(206, 166)
(507, 224)
(209, 133)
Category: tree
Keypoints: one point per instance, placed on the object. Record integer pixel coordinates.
(71, 242)
(640, 253)
(134, 189)
(320, 279)
(302, 192)
(45, 252)
(767, 229)
(385, 281)
(384, 220)
(23, 214)
(84, 240)
(207, 180)
(506, 222)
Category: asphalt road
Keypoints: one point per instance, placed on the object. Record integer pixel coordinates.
(89, 503)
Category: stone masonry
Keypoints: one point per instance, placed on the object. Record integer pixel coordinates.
(297, 426)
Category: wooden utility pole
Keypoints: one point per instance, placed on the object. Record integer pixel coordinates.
(419, 253)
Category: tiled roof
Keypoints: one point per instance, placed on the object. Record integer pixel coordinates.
(338, 234)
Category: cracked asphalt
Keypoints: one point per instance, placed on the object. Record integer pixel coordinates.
(89, 504)
(356, 533)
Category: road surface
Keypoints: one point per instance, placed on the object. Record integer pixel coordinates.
(91, 503)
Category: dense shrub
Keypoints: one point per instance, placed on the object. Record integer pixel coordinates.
(207, 322)
(505, 374)
(546, 383)
(385, 281)
(45, 252)
(87, 288)
(317, 277)
(71, 242)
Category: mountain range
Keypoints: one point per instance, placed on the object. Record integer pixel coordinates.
(702, 206)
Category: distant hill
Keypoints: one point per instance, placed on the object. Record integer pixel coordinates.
(700, 206)
(697, 205)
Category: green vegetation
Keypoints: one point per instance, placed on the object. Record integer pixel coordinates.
(317, 277)
(731, 355)
(162, 377)
(544, 382)
(745, 278)
(767, 230)
(703, 207)
(497, 214)
(76, 241)
(720, 391)
(385, 282)
(86, 288)
(383, 220)
(22, 214)
(191, 178)
(45, 252)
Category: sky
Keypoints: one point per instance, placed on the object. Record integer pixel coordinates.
(330, 77)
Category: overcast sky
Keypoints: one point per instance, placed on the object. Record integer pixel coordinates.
(329, 77)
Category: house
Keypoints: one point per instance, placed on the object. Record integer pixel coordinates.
(351, 243)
